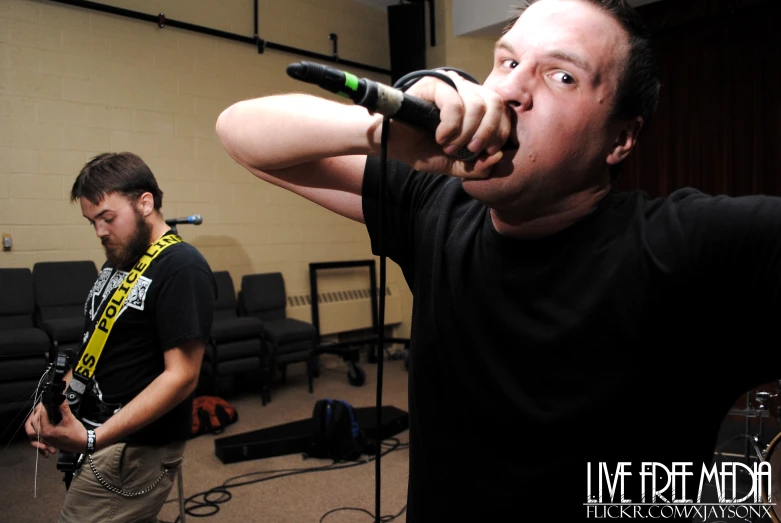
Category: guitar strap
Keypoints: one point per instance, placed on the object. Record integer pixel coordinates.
(85, 369)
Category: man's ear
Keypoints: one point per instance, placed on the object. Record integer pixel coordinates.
(146, 204)
(625, 141)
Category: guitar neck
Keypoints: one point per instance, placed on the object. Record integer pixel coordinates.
(52, 390)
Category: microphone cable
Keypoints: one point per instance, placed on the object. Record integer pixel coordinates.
(403, 83)
(207, 503)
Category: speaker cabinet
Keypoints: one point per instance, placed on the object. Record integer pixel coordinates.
(407, 38)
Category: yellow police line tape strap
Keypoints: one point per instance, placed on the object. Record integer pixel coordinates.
(91, 355)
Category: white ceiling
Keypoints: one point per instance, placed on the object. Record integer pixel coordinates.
(476, 17)
(378, 4)
(382, 4)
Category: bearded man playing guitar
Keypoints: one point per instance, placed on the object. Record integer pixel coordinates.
(148, 318)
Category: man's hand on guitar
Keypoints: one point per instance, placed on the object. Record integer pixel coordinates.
(69, 434)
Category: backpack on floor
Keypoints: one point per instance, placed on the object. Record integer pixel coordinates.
(336, 434)
(211, 415)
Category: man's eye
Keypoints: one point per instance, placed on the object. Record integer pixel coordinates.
(563, 77)
(508, 62)
(109, 220)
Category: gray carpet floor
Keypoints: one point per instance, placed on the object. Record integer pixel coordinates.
(31, 496)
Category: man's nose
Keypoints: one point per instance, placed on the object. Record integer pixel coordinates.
(101, 230)
(515, 89)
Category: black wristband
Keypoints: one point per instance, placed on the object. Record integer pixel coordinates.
(91, 440)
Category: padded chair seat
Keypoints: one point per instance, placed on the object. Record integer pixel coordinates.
(23, 369)
(241, 366)
(231, 329)
(18, 393)
(23, 342)
(64, 329)
(252, 348)
(284, 331)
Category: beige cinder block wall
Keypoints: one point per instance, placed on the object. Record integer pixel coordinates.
(76, 82)
(472, 54)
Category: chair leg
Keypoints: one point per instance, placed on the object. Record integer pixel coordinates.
(316, 370)
(266, 372)
(284, 373)
(263, 387)
(310, 371)
(265, 382)
(265, 396)
(213, 385)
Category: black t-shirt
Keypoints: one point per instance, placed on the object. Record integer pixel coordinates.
(171, 303)
(605, 342)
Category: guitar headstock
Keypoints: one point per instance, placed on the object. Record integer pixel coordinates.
(52, 388)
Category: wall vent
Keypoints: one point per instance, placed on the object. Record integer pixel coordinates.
(344, 310)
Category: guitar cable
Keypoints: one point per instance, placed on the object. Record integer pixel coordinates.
(38, 397)
(207, 503)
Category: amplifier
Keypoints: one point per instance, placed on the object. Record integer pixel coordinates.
(296, 437)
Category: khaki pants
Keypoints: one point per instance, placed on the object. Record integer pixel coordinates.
(131, 468)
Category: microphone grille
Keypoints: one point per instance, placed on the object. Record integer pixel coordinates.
(466, 155)
(197, 219)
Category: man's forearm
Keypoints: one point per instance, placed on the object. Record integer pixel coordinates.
(163, 394)
(281, 131)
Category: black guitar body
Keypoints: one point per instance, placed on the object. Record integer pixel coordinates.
(52, 394)
(68, 463)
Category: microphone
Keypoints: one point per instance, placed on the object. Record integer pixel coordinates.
(195, 219)
(376, 97)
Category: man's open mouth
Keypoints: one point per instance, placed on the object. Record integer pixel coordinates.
(511, 144)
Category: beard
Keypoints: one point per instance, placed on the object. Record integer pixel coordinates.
(121, 256)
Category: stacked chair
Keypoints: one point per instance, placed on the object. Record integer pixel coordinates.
(24, 348)
(61, 289)
(237, 341)
(286, 340)
(42, 314)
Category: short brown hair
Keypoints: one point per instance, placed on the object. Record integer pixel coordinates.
(124, 173)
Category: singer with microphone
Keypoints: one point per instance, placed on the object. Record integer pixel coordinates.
(128, 404)
(556, 322)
